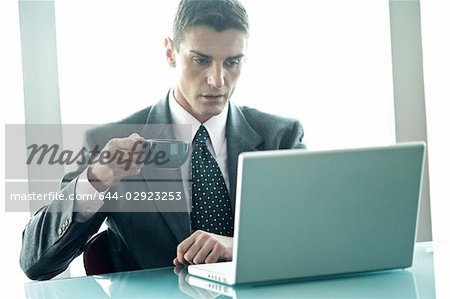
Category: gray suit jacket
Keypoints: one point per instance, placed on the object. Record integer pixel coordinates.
(51, 240)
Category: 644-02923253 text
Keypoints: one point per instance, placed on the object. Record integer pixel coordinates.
(57, 196)
(150, 195)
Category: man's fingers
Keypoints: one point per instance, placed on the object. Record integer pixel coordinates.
(133, 162)
(203, 252)
(176, 262)
(183, 247)
(128, 143)
(133, 170)
(193, 251)
(126, 153)
(215, 255)
(117, 173)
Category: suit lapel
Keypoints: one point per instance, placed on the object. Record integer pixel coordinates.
(159, 126)
(241, 137)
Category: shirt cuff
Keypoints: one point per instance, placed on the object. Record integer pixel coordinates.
(88, 200)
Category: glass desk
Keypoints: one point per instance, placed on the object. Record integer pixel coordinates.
(416, 282)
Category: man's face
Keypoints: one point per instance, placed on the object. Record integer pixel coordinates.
(208, 66)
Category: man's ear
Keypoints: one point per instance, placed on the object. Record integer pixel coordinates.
(170, 51)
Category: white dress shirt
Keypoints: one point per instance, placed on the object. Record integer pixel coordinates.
(216, 127)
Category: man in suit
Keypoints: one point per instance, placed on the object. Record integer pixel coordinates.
(207, 51)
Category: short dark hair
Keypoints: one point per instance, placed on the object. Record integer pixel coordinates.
(217, 14)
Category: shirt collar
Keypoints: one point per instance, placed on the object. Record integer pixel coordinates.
(216, 125)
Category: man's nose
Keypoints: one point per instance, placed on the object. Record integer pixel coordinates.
(216, 76)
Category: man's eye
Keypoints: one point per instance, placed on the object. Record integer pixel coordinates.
(200, 60)
(232, 63)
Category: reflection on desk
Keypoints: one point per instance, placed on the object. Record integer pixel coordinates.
(417, 282)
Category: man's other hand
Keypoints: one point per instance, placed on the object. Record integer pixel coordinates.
(202, 248)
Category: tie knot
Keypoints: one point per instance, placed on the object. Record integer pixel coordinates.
(201, 136)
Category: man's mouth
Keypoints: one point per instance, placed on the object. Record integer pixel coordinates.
(213, 97)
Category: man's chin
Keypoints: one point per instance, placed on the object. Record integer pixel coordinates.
(208, 113)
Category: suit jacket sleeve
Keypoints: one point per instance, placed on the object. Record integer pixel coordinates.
(296, 140)
(52, 238)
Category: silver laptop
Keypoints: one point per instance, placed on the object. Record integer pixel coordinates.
(314, 214)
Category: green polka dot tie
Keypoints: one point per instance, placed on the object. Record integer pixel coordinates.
(211, 206)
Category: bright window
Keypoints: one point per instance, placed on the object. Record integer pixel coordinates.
(326, 63)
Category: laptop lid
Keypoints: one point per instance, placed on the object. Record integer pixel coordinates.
(303, 214)
(314, 214)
